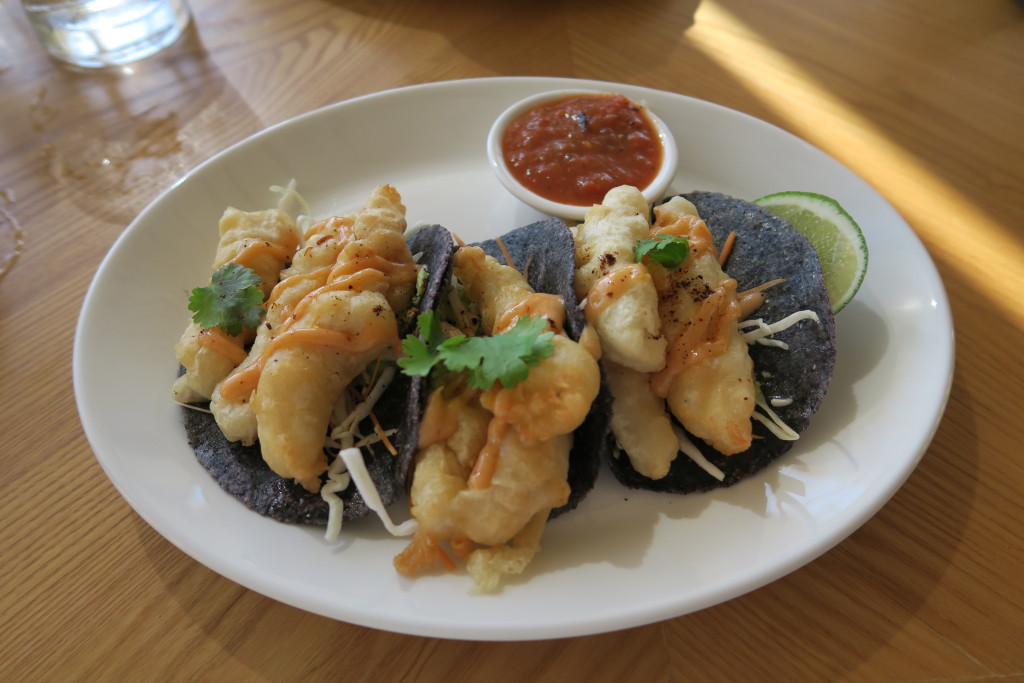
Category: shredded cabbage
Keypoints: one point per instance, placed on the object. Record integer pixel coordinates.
(772, 421)
(293, 204)
(691, 451)
(763, 330)
(346, 437)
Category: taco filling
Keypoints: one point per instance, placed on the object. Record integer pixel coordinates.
(676, 334)
(314, 377)
(494, 442)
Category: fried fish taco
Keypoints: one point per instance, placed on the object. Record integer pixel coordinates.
(716, 333)
(308, 427)
(543, 252)
(508, 388)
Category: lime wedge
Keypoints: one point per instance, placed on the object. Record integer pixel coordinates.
(836, 237)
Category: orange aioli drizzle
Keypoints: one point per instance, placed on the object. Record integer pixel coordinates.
(358, 274)
(487, 460)
(547, 306)
(706, 337)
(357, 342)
(242, 381)
(689, 226)
(359, 281)
(342, 224)
(537, 304)
(396, 272)
(218, 341)
(610, 287)
(441, 414)
(252, 251)
(318, 274)
(215, 339)
(708, 334)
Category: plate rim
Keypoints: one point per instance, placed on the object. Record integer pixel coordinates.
(669, 610)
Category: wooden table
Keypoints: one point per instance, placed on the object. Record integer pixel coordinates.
(922, 98)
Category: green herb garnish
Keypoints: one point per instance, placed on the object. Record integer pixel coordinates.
(232, 300)
(421, 355)
(667, 250)
(504, 358)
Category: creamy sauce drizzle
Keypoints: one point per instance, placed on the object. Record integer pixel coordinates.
(540, 305)
(218, 341)
(441, 415)
(365, 272)
(487, 460)
(708, 333)
(610, 287)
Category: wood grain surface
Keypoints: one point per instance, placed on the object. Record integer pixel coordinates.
(923, 98)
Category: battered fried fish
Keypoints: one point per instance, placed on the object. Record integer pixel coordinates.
(494, 463)
(332, 313)
(717, 379)
(262, 240)
(622, 304)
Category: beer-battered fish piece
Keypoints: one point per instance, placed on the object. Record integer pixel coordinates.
(621, 301)
(331, 314)
(264, 241)
(493, 463)
(307, 368)
(769, 311)
(321, 246)
(706, 378)
(640, 421)
(709, 376)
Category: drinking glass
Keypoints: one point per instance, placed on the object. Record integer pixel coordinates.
(98, 33)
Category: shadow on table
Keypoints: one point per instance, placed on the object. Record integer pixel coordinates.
(866, 580)
(875, 581)
(272, 641)
(113, 139)
(536, 37)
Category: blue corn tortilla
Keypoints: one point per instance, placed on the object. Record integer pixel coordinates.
(241, 471)
(767, 247)
(545, 253)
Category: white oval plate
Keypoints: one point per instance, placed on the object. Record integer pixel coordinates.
(624, 558)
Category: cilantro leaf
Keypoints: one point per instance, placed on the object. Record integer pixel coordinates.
(232, 300)
(504, 358)
(421, 355)
(667, 250)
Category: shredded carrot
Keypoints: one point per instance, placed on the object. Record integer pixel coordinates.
(458, 240)
(443, 556)
(760, 288)
(373, 378)
(508, 257)
(726, 249)
(382, 434)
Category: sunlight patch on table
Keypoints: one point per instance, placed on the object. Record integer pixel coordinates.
(828, 122)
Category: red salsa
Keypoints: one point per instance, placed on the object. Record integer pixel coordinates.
(573, 150)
